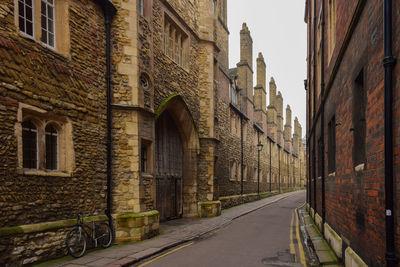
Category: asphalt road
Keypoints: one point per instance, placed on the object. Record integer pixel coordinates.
(260, 238)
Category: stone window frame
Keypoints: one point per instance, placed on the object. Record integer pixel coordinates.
(233, 169)
(175, 41)
(50, 23)
(233, 93)
(60, 27)
(331, 28)
(238, 170)
(41, 118)
(147, 148)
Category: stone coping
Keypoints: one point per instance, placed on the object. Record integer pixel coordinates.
(262, 195)
(130, 215)
(46, 226)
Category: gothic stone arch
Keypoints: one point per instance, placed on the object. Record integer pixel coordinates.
(176, 131)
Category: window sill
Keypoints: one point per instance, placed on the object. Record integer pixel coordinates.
(332, 174)
(45, 173)
(359, 167)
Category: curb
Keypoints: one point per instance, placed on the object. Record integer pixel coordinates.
(319, 251)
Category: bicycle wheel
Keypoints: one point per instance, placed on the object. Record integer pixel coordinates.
(104, 235)
(76, 242)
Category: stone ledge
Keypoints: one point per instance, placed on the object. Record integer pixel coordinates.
(136, 226)
(352, 259)
(334, 240)
(46, 226)
(231, 201)
(209, 209)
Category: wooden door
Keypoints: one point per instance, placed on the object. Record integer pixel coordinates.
(169, 159)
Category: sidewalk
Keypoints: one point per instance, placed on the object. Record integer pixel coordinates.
(172, 234)
(318, 251)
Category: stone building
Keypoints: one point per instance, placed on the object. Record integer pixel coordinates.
(52, 123)
(353, 127)
(130, 107)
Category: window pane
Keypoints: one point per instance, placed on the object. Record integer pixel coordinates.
(29, 13)
(21, 23)
(44, 36)
(43, 8)
(51, 148)
(44, 24)
(51, 40)
(21, 11)
(28, 2)
(29, 28)
(50, 10)
(50, 26)
(29, 145)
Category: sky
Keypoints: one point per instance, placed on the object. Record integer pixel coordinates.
(278, 31)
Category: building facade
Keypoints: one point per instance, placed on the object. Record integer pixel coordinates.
(130, 107)
(52, 123)
(352, 127)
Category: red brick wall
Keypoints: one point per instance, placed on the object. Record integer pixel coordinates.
(355, 201)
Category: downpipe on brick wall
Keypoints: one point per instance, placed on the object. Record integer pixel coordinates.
(307, 84)
(388, 63)
(314, 101)
(323, 116)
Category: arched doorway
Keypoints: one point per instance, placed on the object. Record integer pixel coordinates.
(169, 168)
(176, 154)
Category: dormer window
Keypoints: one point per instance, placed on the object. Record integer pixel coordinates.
(234, 94)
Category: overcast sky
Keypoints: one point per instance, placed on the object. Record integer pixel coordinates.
(279, 32)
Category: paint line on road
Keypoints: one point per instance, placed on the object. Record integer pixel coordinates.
(292, 250)
(165, 254)
(301, 250)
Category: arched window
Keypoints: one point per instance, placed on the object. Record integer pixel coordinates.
(51, 148)
(29, 145)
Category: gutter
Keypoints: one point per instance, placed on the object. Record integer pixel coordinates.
(258, 128)
(241, 114)
(388, 63)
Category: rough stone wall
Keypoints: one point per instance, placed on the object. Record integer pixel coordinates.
(70, 87)
(125, 129)
(169, 78)
(73, 88)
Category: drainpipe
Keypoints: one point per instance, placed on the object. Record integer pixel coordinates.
(309, 105)
(322, 115)
(109, 11)
(279, 168)
(288, 170)
(270, 165)
(314, 89)
(241, 152)
(388, 63)
(258, 165)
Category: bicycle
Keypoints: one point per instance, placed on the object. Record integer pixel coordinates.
(76, 242)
